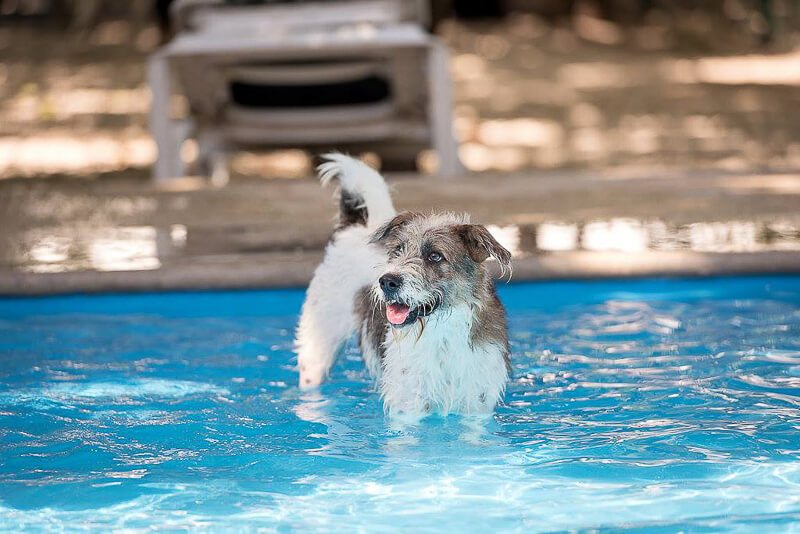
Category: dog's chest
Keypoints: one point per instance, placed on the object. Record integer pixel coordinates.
(440, 370)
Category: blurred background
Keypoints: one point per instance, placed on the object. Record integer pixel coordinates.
(539, 84)
(650, 129)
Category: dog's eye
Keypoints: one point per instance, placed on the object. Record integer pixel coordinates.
(435, 257)
(396, 251)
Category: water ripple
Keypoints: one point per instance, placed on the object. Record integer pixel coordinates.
(632, 406)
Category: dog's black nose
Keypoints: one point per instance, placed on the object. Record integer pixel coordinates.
(390, 283)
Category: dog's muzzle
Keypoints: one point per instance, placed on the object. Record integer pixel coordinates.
(399, 313)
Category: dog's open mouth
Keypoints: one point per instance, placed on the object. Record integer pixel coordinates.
(400, 314)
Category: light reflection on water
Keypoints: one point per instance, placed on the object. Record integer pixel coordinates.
(145, 247)
(633, 404)
(126, 248)
(633, 235)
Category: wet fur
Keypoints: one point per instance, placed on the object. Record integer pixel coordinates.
(456, 359)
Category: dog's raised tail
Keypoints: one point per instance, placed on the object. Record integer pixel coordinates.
(365, 197)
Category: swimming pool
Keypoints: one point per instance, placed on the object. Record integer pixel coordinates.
(638, 404)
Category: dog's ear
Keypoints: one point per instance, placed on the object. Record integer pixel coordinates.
(389, 228)
(481, 244)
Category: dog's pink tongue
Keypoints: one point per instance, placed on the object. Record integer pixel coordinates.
(397, 313)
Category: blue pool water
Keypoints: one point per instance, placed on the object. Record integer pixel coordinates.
(645, 405)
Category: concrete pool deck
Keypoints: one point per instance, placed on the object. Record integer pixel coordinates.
(124, 234)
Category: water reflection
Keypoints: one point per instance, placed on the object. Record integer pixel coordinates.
(137, 248)
(625, 235)
(633, 235)
(556, 236)
(133, 248)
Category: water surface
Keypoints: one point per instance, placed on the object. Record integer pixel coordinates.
(652, 404)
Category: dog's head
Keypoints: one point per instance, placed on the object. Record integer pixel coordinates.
(433, 263)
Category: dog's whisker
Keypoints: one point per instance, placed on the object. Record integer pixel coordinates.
(421, 329)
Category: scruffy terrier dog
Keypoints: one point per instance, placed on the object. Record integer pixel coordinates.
(416, 290)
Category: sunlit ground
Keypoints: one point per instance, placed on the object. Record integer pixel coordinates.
(676, 90)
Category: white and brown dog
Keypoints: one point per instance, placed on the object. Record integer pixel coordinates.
(416, 290)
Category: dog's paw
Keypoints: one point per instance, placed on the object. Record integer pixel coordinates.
(311, 377)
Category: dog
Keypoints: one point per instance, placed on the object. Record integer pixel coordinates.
(416, 290)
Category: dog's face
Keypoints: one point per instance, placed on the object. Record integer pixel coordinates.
(433, 263)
